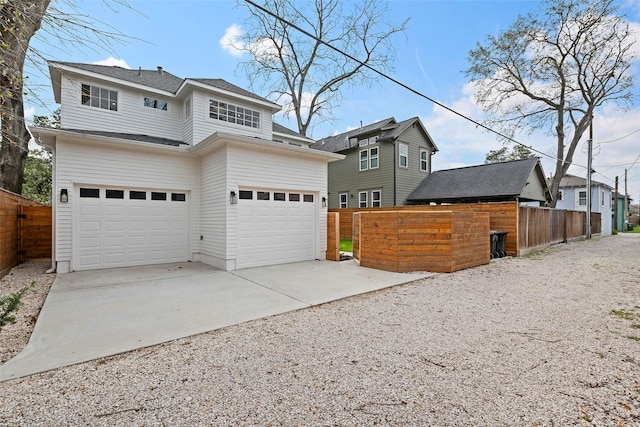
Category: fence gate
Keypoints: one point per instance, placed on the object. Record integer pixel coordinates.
(34, 232)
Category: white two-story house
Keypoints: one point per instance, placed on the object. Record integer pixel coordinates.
(152, 168)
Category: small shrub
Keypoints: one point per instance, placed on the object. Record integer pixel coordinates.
(11, 304)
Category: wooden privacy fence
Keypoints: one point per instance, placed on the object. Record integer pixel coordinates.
(539, 228)
(438, 241)
(25, 230)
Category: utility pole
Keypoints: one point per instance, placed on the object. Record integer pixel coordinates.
(616, 226)
(589, 153)
(626, 199)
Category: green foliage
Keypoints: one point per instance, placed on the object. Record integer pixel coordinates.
(346, 245)
(38, 177)
(10, 304)
(48, 122)
(518, 152)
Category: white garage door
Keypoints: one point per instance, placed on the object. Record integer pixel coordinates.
(275, 227)
(116, 227)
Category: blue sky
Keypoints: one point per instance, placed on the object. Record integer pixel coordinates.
(184, 38)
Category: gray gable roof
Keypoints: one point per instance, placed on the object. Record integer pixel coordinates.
(158, 79)
(342, 141)
(388, 130)
(155, 79)
(575, 182)
(277, 127)
(129, 136)
(489, 182)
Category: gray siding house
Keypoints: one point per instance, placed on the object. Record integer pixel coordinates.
(573, 196)
(384, 162)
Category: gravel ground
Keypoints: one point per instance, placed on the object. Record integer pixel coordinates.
(551, 339)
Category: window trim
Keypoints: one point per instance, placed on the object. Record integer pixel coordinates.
(346, 200)
(579, 198)
(374, 201)
(155, 103)
(401, 155)
(366, 199)
(230, 113)
(86, 98)
(424, 162)
(371, 158)
(365, 160)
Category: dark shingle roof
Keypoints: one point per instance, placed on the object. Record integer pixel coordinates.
(340, 142)
(575, 181)
(281, 129)
(152, 78)
(130, 136)
(158, 79)
(495, 181)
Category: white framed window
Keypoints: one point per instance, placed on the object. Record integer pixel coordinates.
(376, 198)
(157, 104)
(187, 109)
(602, 198)
(230, 113)
(403, 155)
(424, 160)
(95, 96)
(344, 200)
(364, 160)
(362, 199)
(373, 158)
(582, 198)
(363, 142)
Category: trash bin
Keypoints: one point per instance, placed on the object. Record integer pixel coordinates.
(501, 243)
(629, 226)
(493, 239)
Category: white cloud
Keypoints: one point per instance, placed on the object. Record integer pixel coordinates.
(29, 113)
(230, 41)
(111, 61)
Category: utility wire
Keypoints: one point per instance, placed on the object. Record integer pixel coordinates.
(399, 83)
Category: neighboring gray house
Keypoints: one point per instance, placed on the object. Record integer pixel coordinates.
(384, 163)
(573, 196)
(517, 180)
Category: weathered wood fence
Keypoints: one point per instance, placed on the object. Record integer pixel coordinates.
(25, 230)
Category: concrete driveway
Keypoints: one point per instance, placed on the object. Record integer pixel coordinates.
(93, 314)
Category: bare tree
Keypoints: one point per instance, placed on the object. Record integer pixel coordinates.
(21, 20)
(301, 71)
(551, 71)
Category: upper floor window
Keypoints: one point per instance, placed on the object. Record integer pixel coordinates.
(233, 114)
(560, 194)
(582, 198)
(155, 103)
(98, 97)
(602, 198)
(364, 160)
(424, 160)
(367, 141)
(373, 158)
(403, 155)
(344, 197)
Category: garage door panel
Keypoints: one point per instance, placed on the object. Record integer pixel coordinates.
(275, 231)
(124, 232)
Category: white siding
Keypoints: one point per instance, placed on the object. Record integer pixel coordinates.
(203, 125)
(213, 208)
(260, 167)
(83, 162)
(132, 116)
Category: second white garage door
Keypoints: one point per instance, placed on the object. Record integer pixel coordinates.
(276, 227)
(116, 227)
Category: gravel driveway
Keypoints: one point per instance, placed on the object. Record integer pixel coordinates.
(551, 339)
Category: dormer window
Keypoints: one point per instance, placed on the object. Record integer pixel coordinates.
(95, 96)
(234, 114)
(155, 103)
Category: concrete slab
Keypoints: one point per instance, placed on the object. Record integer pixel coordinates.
(93, 314)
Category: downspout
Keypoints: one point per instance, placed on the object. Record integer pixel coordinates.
(394, 173)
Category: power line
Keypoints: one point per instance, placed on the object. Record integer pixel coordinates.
(399, 83)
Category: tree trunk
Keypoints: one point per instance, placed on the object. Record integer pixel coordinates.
(20, 21)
